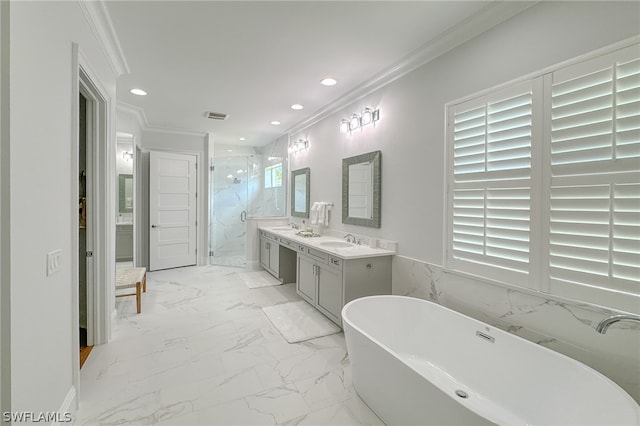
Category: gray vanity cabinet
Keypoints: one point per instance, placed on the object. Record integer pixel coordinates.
(124, 242)
(269, 254)
(306, 282)
(325, 278)
(276, 258)
(329, 282)
(330, 292)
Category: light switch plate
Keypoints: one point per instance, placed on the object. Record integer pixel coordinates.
(53, 261)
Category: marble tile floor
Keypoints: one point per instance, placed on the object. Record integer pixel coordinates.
(202, 352)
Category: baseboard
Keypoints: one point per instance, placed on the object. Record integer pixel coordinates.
(68, 408)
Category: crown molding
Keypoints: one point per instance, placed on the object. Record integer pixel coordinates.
(175, 131)
(492, 15)
(100, 23)
(137, 112)
(141, 118)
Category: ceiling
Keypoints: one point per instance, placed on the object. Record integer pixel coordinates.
(253, 60)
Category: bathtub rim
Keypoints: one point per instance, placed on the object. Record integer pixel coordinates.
(499, 331)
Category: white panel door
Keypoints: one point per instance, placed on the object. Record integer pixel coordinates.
(172, 210)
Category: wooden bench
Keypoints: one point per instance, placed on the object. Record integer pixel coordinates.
(130, 278)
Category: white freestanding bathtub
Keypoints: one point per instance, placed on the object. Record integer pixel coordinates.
(416, 363)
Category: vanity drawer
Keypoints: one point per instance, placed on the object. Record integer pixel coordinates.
(268, 236)
(317, 254)
(287, 243)
(336, 262)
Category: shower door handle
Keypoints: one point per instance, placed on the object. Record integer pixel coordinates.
(243, 216)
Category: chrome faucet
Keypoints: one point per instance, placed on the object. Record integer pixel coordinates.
(350, 238)
(605, 323)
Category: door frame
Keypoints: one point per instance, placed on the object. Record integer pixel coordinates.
(135, 172)
(5, 224)
(100, 219)
(90, 193)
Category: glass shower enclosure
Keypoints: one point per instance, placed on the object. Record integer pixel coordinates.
(242, 187)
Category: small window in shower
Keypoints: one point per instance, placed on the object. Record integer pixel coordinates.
(273, 176)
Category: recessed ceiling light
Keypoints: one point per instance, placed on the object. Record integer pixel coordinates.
(296, 106)
(328, 81)
(275, 122)
(229, 150)
(243, 139)
(138, 92)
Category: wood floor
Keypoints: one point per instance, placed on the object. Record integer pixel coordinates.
(84, 354)
(84, 349)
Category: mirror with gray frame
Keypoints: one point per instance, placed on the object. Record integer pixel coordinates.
(300, 184)
(361, 182)
(125, 193)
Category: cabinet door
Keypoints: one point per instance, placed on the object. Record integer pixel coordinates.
(307, 278)
(330, 290)
(274, 258)
(264, 253)
(124, 242)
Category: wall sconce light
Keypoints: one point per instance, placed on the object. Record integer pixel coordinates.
(344, 126)
(298, 145)
(128, 156)
(354, 123)
(369, 115)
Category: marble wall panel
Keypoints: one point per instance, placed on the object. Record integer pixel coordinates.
(562, 325)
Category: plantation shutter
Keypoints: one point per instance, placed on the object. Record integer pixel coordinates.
(490, 186)
(594, 218)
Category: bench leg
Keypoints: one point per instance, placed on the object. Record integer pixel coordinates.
(144, 282)
(138, 297)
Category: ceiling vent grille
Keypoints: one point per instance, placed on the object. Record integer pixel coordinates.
(216, 116)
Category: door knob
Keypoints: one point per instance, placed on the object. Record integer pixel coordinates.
(154, 226)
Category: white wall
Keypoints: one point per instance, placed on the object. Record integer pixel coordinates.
(185, 144)
(5, 306)
(410, 132)
(411, 136)
(127, 122)
(41, 199)
(221, 150)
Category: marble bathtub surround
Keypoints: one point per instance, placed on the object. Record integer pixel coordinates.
(204, 353)
(562, 325)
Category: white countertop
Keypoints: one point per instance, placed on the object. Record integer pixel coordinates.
(354, 251)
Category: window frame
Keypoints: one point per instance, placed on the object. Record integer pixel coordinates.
(538, 276)
(271, 170)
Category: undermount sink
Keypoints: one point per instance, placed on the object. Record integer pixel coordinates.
(283, 228)
(336, 244)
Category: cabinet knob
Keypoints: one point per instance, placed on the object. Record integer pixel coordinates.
(369, 265)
